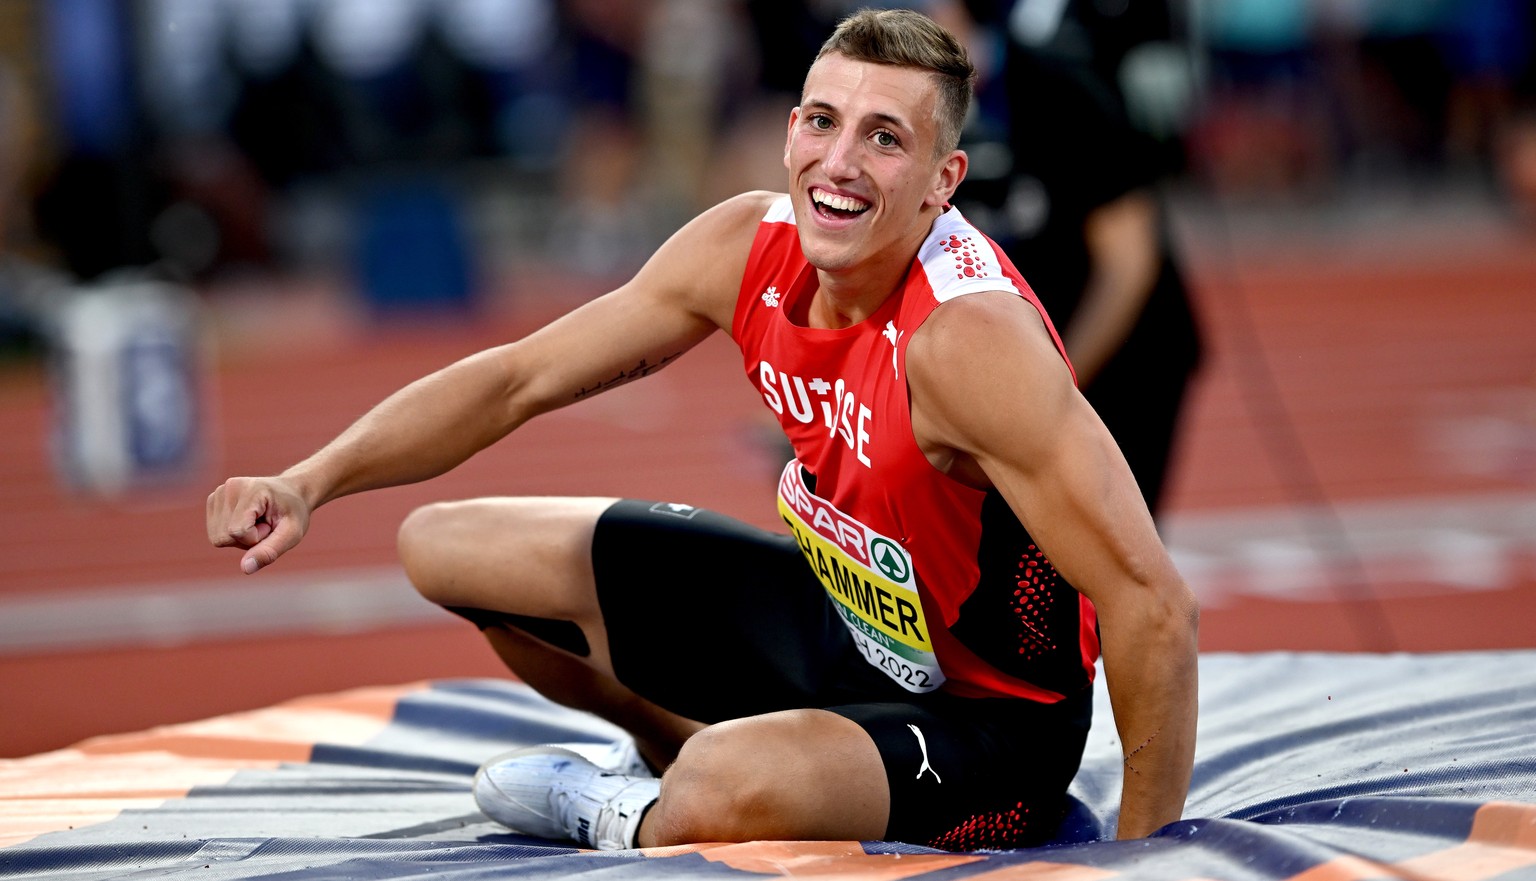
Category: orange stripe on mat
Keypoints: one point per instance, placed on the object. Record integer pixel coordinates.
(812, 859)
(847, 860)
(1503, 839)
(1044, 871)
(1348, 869)
(100, 778)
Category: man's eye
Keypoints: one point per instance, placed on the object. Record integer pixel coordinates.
(821, 122)
(886, 139)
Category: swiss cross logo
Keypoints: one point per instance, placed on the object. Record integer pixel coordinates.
(771, 297)
(969, 262)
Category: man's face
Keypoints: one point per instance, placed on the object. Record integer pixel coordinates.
(862, 164)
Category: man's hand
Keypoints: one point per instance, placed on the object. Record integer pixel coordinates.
(265, 515)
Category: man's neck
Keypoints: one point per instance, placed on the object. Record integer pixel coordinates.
(845, 298)
(840, 303)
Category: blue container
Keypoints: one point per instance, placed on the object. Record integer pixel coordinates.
(412, 254)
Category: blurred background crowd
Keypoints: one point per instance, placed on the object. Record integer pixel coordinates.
(425, 156)
(211, 137)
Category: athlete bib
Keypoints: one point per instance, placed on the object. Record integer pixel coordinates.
(870, 578)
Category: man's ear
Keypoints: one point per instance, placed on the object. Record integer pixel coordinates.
(789, 135)
(947, 179)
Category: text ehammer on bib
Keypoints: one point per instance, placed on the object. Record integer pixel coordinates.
(870, 578)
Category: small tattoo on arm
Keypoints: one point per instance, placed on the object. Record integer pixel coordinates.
(644, 368)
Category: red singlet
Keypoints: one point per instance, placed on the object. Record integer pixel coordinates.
(938, 582)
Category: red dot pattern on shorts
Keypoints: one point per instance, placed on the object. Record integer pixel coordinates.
(1035, 588)
(969, 261)
(996, 829)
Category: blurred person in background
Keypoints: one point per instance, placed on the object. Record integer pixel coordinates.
(25, 285)
(97, 206)
(600, 172)
(1266, 126)
(1515, 140)
(1072, 194)
(1387, 77)
(649, 80)
(14, 132)
(1491, 117)
(783, 38)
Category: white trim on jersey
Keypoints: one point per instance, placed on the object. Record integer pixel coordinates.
(958, 259)
(781, 211)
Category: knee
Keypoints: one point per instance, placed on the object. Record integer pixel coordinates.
(711, 793)
(420, 542)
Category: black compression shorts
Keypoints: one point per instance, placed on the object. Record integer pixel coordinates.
(714, 619)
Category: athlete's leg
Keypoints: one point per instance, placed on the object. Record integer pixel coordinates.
(789, 775)
(797, 773)
(533, 557)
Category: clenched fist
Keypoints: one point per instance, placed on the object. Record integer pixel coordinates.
(264, 515)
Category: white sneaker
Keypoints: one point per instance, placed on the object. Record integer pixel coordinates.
(554, 792)
(619, 756)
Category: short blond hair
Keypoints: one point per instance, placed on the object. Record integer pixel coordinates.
(905, 38)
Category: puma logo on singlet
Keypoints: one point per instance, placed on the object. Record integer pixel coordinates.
(922, 744)
(892, 334)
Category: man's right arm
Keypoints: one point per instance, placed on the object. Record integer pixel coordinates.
(686, 291)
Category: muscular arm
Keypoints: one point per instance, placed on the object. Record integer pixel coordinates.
(992, 400)
(1122, 242)
(686, 291)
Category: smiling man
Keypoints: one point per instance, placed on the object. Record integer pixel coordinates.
(912, 658)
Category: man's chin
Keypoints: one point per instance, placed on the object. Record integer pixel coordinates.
(827, 256)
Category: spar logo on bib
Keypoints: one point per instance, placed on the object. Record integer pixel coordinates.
(870, 578)
(890, 559)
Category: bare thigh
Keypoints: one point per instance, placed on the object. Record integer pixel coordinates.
(524, 556)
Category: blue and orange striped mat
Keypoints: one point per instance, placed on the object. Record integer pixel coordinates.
(1323, 767)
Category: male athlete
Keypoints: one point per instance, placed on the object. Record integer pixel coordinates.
(912, 659)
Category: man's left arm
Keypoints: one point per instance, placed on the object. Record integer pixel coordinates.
(990, 392)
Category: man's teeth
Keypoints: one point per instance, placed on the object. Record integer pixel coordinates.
(840, 203)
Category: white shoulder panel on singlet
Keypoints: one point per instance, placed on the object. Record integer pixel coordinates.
(958, 259)
(781, 211)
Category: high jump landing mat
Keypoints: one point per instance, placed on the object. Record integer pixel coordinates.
(1316, 766)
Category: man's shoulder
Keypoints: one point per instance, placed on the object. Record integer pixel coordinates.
(961, 318)
(701, 265)
(966, 331)
(730, 226)
(978, 357)
(751, 208)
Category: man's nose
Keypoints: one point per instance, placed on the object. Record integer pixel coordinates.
(842, 155)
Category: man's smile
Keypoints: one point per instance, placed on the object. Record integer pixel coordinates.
(836, 206)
